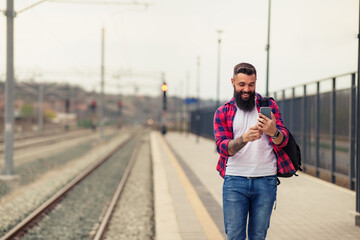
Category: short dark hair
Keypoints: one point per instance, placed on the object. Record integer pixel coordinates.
(245, 68)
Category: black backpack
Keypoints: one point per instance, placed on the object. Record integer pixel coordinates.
(292, 149)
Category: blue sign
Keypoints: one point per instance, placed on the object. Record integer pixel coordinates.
(190, 100)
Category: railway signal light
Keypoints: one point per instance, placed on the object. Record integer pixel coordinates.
(164, 88)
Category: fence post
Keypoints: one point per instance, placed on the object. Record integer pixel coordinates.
(352, 132)
(304, 128)
(357, 184)
(292, 110)
(333, 129)
(317, 129)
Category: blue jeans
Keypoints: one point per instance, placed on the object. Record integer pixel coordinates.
(245, 199)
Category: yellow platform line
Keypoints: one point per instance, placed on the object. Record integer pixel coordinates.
(166, 226)
(210, 229)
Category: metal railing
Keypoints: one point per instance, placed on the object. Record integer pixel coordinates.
(201, 122)
(323, 122)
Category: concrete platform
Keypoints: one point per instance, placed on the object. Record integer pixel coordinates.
(188, 197)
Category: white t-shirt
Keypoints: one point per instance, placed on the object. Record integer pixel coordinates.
(256, 158)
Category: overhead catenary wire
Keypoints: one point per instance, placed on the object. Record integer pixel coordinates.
(83, 2)
(31, 6)
(101, 2)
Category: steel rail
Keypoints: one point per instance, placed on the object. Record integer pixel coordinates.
(50, 203)
(30, 135)
(107, 217)
(44, 142)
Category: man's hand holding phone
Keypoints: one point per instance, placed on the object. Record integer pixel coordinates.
(266, 125)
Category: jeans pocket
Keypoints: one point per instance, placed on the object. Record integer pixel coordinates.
(272, 180)
(229, 181)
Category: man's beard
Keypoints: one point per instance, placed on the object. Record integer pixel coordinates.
(245, 105)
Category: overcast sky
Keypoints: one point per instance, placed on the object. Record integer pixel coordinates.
(310, 40)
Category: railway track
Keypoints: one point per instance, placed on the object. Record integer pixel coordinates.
(43, 140)
(23, 136)
(75, 210)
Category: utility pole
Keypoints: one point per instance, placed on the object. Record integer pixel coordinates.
(268, 52)
(9, 90)
(218, 71)
(102, 102)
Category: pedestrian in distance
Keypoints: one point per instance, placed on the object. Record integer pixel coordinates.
(250, 147)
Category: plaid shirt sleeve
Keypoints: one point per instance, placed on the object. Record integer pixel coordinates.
(222, 132)
(284, 164)
(279, 123)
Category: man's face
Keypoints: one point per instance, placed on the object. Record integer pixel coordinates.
(244, 84)
(244, 91)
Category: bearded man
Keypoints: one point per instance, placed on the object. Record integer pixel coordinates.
(250, 147)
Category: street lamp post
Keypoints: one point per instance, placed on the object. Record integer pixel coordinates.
(218, 71)
(268, 51)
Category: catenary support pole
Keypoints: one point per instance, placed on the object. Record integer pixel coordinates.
(9, 90)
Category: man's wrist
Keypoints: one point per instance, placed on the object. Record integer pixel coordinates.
(277, 132)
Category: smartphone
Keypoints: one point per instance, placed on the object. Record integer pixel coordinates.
(266, 111)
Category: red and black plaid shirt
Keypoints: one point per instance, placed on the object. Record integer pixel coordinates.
(223, 131)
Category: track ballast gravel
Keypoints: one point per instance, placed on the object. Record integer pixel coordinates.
(80, 211)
